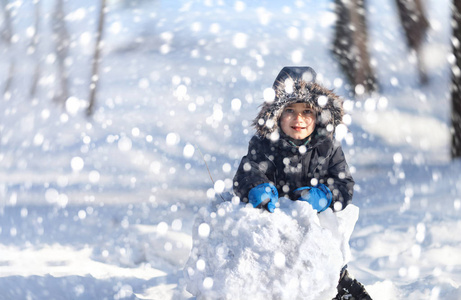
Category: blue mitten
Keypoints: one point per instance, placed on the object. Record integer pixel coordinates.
(264, 195)
(319, 197)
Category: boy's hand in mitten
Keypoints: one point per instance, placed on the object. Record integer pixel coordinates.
(265, 196)
(319, 197)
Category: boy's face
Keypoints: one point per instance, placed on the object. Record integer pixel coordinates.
(298, 121)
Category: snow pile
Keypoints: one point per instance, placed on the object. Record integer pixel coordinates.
(160, 247)
(240, 252)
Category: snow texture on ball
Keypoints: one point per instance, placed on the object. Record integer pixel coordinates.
(249, 253)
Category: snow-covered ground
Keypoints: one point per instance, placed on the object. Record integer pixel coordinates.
(104, 207)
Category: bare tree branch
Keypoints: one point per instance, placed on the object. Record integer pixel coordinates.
(350, 44)
(33, 47)
(61, 37)
(456, 83)
(96, 59)
(6, 34)
(415, 25)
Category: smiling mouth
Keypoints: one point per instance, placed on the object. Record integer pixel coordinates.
(298, 128)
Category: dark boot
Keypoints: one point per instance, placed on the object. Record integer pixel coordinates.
(350, 289)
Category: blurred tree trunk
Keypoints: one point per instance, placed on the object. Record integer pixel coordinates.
(96, 59)
(456, 82)
(62, 41)
(415, 25)
(33, 49)
(350, 44)
(6, 33)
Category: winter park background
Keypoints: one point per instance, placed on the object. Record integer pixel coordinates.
(103, 207)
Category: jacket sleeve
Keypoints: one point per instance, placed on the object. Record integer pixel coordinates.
(255, 168)
(340, 180)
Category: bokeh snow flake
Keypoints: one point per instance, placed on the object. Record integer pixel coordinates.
(200, 265)
(208, 283)
(236, 104)
(420, 232)
(115, 27)
(77, 15)
(81, 214)
(172, 139)
(219, 186)
(196, 26)
(264, 16)
(191, 107)
(240, 40)
(289, 84)
(348, 106)
(45, 114)
(94, 176)
(239, 6)
(248, 73)
(85, 38)
(188, 150)
(168, 246)
(135, 131)
(215, 28)
(51, 195)
(77, 163)
(176, 224)
(181, 92)
(394, 81)
(293, 33)
(398, 158)
(13, 198)
(162, 228)
(457, 204)
(63, 199)
(328, 19)
(308, 33)
(347, 119)
(64, 118)
(359, 89)
(155, 167)
(337, 82)
(269, 95)
(72, 105)
(124, 144)
(226, 167)
(165, 49)
(204, 230)
(297, 56)
(167, 36)
(322, 100)
(218, 113)
(370, 105)
(341, 132)
(38, 139)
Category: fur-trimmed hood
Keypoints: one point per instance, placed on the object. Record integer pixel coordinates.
(297, 85)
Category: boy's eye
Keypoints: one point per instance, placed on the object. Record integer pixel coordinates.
(307, 111)
(289, 110)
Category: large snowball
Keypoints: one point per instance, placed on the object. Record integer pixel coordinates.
(249, 253)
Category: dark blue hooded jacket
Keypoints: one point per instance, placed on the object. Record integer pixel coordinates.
(273, 157)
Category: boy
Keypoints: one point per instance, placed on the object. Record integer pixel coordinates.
(294, 155)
